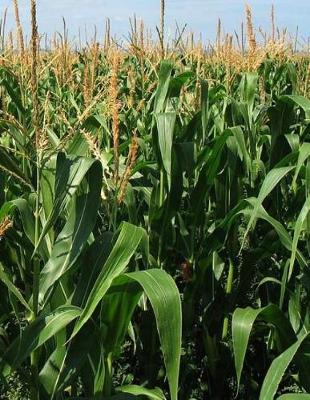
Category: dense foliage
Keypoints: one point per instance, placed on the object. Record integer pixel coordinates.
(137, 192)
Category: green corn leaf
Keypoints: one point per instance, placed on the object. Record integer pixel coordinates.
(16, 131)
(248, 87)
(117, 309)
(65, 363)
(120, 396)
(242, 148)
(22, 206)
(124, 248)
(50, 372)
(165, 126)
(284, 236)
(10, 167)
(299, 101)
(177, 82)
(282, 116)
(152, 394)
(242, 324)
(96, 255)
(297, 232)
(70, 172)
(47, 190)
(163, 86)
(72, 238)
(99, 376)
(270, 182)
(12, 288)
(25, 212)
(36, 334)
(277, 369)
(207, 175)
(294, 141)
(164, 297)
(9, 80)
(303, 155)
(294, 396)
(204, 107)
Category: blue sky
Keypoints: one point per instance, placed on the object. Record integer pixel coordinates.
(200, 15)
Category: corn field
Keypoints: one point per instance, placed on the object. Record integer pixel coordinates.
(154, 216)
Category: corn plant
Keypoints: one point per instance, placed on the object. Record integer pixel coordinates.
(154, 202)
